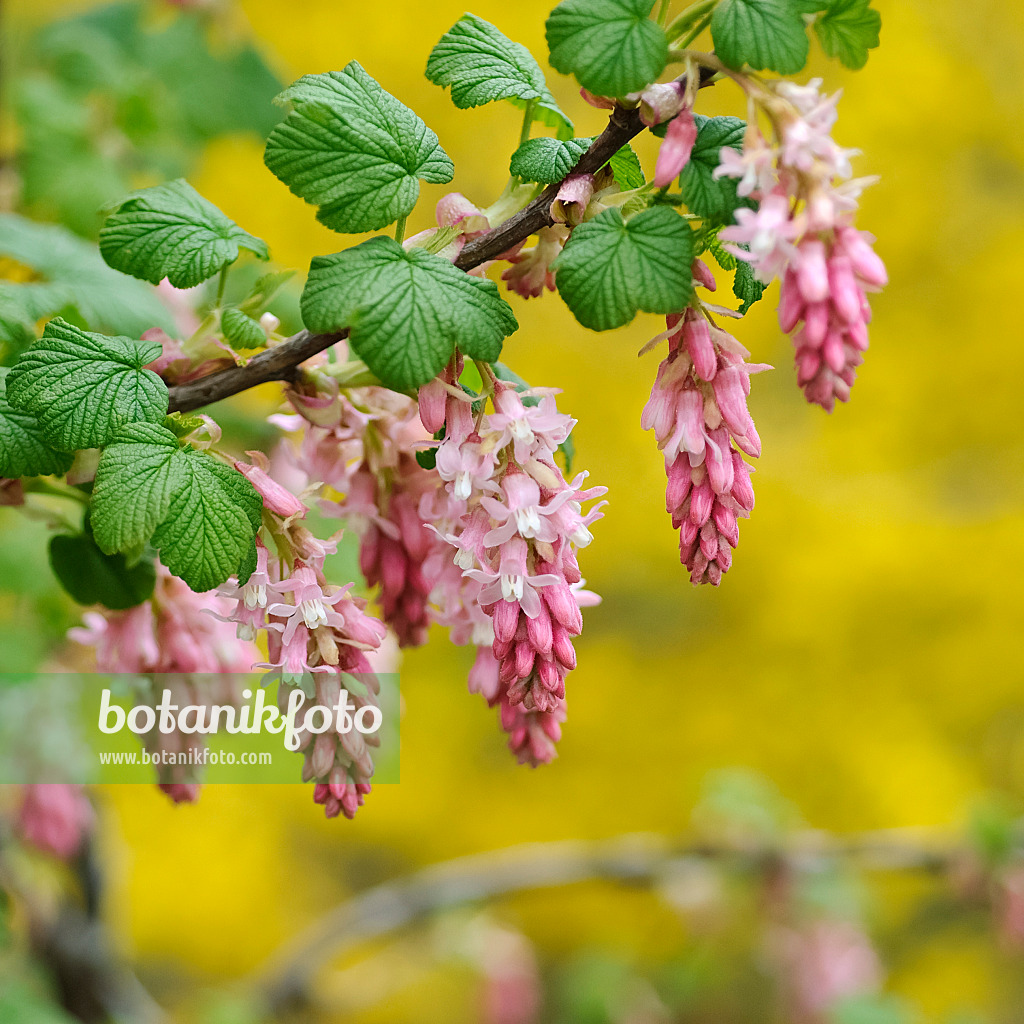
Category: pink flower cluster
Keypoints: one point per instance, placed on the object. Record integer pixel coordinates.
(176, 632)
(318, 631)
(362, 447)
(173, 632)
(698, 411)
(512, 583)
(801, 232)
(55, 818)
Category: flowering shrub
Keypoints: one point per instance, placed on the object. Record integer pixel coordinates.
(405, 423)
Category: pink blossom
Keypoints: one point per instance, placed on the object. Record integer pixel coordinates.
(659, 102)
(823, 963)
(531, 271)
(675, 149)
(528, 428)
(276, 498)
(698, 410)
(569, 206)
(55, 818)
(455, 210)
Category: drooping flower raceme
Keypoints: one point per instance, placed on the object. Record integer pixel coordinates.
(178, 633)
(512, 580)
(802, 233)
(698, 411)
(362, 448)
(316, 635)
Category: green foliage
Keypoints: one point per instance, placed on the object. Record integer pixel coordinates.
(241, 330)
(482, 65)
(113, 94)
(547, 160)
(209, 530)
(611, 268)
(772, 34)
(22, 1003)
(848, 29)
(200, 513)
(69, 274)
(626, 169)
(767, 35)
(714, 200)
(406, 311)
(873, 1009)
(82, 387)
(24, 450)
(611, 46)
(355, 151)
(92, 577)
(138, 475)
(171, 231)
(746, 287)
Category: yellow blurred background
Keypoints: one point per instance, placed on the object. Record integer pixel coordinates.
(864, 652)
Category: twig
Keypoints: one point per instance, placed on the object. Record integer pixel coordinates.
(282, 361)
(647, 860)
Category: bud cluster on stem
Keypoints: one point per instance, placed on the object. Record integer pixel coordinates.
(698, 411)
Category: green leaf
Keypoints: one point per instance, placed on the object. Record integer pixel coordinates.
(714, 200)
(139, 473)
(82, 387)
(547, 160)
(611, 46)
(241, 330)
(23, 447)
(610, 269)
(353, 150)
(172, 231)
(482, 65)
(91, 577)
(848, 29)
(210, 524)
(625, 165)
(72, 273)
(746, 287)
(769, 35)
(723, 257)
(406, 311)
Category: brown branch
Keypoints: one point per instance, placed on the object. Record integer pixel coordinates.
(282, 361)
(644, 860)
(278, 363)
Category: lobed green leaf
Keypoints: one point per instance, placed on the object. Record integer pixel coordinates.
(405, 311)
(481, 65)
(241, 329)
(611, 268)
(611, 46)
(171, 231)
(547, 160)
(354, 150)
(848, 29)
(713, 199)
(767, 35)
(24, 450)
(82, 387)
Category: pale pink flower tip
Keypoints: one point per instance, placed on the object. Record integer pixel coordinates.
(572, 200)
(275, 497)
(55, 818)
(676, 148)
